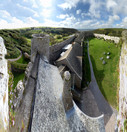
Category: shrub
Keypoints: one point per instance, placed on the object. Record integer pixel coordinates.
(125, 125)
(19, 65)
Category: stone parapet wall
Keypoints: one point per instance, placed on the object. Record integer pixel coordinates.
(4, 117)
(49, 110)
(24, 108)
(56, 49)
(123, 82)
(81, 121)
(43, 108)
(83, 35)
(106, 37)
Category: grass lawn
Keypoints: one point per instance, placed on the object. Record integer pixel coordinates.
(107, 74)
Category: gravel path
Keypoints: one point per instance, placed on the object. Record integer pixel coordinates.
(94, 103)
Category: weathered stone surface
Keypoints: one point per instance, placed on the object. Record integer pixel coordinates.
(33, 56)
(28, 69)
(53, 108)
(40, 44)
(49, 113)
(23, 112)
(34, 70)
(48, 109)
(4, 117)
(19, 91)
(123, 83)
(67, 75)
(82, 35)
(27, 55)
(106, 37)
(67, 95)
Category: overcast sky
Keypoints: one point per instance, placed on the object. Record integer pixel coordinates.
(81, 14)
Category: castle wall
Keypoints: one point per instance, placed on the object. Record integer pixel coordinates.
(123, 81)
(43, 108)
(56, 49)
(4, 117)
(39, 45)
(83, 35)
(106, 37)
(49, 111)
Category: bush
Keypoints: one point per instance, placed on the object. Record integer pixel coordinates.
(125, 125)
(19, 65)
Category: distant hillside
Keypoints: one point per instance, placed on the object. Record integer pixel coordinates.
(61, 31)
(20, 39)
(13, 42)
(110, 31)
(85, 29)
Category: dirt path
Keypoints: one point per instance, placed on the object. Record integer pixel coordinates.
(16, 58)
(94, 104)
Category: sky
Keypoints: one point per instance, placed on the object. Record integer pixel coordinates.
(79, 14)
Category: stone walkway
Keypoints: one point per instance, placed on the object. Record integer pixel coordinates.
(94, 103)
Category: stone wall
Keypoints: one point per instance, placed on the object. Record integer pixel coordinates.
(49, 112)
(39, 45)
(56, 49)
(106, 37)
(44, 105)
(123, 82)
(83, 35)
(4, 117)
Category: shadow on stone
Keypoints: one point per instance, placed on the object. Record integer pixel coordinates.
(100, 98)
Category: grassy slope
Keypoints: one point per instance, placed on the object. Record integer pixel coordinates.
(106, 75)
(110, 31)
(86, 67)
(22, 60)
(17, 78)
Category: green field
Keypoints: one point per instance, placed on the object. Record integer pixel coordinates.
(106, 74)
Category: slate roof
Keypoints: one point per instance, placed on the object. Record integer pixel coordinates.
(72, 59)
